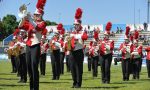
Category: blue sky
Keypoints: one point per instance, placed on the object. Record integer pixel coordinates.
(94, 11)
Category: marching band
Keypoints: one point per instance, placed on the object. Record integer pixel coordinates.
(29, 48)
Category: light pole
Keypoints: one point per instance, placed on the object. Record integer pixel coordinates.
(134, 13)
(139, 16)
(148, 11)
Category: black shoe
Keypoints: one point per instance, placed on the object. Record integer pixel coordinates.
(73, 86)
(127, 79)
(103, 82)
(133, 77)
(57, 78)
(24, 81)
(107, 82)
(12, 72)
(53, 78)
(77, 86)
(20, 81)
(43, 74)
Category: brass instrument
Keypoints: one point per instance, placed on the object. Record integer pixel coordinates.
(16, 51)
(69, 44)
(9, 52)
(23, 11)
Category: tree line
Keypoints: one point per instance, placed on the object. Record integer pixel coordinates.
(8, 24)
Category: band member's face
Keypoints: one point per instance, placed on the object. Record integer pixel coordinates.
(37, 17)
(126, 41)
(136, 44)
(57, 36)
(106, 36)
(77, 27)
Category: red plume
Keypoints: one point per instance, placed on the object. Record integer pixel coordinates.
(40, 4)
(44, 32)
(108, 26)
(95, 35)
(127, 30)
(59, 26)
(62, 31)
(84, 36)
(131, 38)
(136, 34)
(78, 13)
(91, 42)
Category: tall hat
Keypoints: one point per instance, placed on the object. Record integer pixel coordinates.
(127, 32)
(40, 7)
(78, 16)
(60, 29)
(91, 43)
(136, 36)
(95, 35)
(108, 28)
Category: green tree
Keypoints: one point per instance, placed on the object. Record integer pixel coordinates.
(1, 30)
(9, 24)
(50, 23)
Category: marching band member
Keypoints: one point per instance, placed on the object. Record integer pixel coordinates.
(12, 56)
(126, 49)
(34, 27)
(55, 56)
(67, 53)
(106, 51)
(22, 59)
(147, 49)
(94, 53)
(76, 52)
(61, 30)
(136, 55)
(17, 51)
(89, 56)
(44, 47)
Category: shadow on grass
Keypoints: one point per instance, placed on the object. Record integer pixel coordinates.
(8, 79)
(7, 73)
(10, 85)
(124, 83)
(144, 80)
(91, 78)
(103, 87)
(53, 82)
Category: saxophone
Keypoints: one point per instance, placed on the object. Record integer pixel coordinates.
(68, 41)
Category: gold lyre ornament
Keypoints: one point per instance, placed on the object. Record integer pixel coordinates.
(23, 11)
(17, 51)
(69, 44)
(9, 52)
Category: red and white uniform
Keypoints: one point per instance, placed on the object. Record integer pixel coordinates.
(34, 30)
(44, 47)
(62, 48)
(93, 51)
(77, 41)
(67, 52)
(106, 47)
(137, 52)
(22, 46)
(147, 49)
(125, 50)
(55, 44)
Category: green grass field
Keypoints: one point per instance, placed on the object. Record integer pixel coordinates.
(9, 81)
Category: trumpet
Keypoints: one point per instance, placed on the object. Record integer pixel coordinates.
(23, 11)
